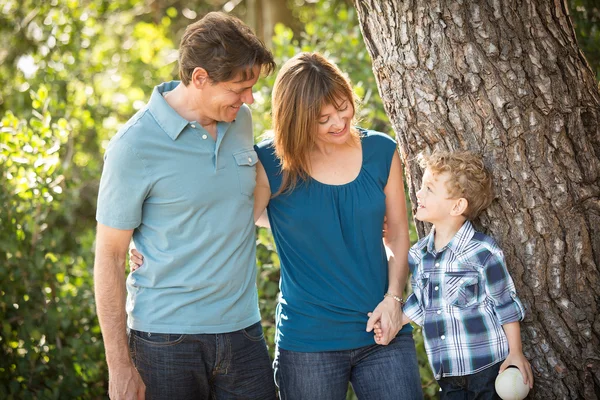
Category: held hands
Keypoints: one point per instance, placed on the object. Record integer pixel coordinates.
(136, 259)
(517, 358)
(379, 332)
(125, 383)
(386, 321)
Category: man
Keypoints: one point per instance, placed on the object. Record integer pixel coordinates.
(179, 178)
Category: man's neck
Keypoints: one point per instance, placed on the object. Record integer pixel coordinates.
(181, 100)
(445, 231)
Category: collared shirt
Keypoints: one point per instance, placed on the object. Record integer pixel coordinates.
(462, 295)
(189, 199)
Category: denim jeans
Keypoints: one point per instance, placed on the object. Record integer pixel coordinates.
(478, 386)
(375, 372)
(233, 365)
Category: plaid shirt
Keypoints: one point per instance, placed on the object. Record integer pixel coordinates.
(462, 295)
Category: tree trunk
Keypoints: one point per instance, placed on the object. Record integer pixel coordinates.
(506, 79)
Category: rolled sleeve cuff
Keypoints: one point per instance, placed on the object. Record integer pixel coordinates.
(413, 310)
(511, 311)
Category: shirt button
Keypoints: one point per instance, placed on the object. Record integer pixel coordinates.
(437, 264)
(193, 126)
(250, 159)
(204, 136)
(443, 337)
(436, 288)
(439, 311)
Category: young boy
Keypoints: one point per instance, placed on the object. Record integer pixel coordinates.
(463, 295)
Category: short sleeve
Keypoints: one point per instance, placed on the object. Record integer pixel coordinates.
(123, 187)
(270, 162)
(378, 152)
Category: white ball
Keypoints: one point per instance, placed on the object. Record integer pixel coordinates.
(510, 386)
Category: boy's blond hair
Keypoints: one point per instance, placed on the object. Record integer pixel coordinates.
(469, 178)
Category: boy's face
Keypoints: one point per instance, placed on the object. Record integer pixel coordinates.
(433, 199)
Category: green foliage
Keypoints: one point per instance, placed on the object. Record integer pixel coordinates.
(586, 19)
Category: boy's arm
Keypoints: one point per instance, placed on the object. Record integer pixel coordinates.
(413, 309)
(500, 288)
(515, 353)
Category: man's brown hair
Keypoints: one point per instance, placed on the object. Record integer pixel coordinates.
(224, 46)
(469, 178)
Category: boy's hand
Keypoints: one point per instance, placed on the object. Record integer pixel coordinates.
(136, 259)
(389, 316)
(377, 331)
(518, 359)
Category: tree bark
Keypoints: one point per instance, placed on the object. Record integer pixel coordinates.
(506, 79)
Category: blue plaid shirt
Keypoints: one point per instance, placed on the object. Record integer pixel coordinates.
(462, 295)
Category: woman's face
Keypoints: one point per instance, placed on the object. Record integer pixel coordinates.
(333, 125)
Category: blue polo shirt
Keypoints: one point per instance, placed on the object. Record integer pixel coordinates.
(189, 200)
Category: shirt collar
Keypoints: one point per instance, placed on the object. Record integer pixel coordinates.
(457, 243)
(167, 118)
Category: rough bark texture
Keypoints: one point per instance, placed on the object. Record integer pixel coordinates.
(506, 78)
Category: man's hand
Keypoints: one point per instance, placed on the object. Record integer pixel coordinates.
(125, 383)
(387, 319)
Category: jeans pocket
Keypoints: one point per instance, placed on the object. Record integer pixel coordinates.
(157, 339)
(254, 332)
(461, 289)
(245, 161)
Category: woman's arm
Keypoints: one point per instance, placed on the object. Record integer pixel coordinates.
(389, 311)
(262, 194)
(396, 238)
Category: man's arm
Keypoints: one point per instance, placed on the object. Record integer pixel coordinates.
(109, 283)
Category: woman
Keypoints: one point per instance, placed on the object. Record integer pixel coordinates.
(327, 187)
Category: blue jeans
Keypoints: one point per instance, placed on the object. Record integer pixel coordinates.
(233, 365)
(375, 372)
(478, 386)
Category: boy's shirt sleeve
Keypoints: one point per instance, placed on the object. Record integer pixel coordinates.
(413, 308)
(500, 288)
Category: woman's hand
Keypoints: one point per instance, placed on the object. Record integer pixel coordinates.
(136, 259)
(385, 320)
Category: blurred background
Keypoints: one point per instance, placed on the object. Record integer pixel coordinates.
(73, 71)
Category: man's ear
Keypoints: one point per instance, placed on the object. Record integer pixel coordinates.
(199, 77)
(460, 207)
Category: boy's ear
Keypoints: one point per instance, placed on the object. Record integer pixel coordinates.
(459, 207)
(199, 77)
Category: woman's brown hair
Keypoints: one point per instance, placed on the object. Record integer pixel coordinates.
(305, 84)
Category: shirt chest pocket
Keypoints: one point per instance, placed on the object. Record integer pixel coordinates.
(245, 161)
(461, 289)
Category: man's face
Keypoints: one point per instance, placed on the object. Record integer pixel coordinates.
(222, 100)
(433, 199)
